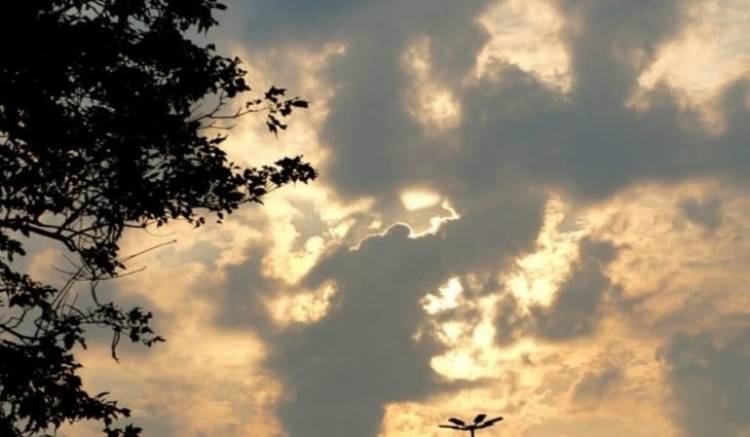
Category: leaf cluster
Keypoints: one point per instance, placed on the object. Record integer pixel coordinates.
(103, 128)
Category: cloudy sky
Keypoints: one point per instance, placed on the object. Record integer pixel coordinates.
(529, 208)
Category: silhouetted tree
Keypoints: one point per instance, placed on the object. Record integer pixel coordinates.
(107, 117)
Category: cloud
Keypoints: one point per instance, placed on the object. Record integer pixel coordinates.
(511, 321)
(516, 136)
(241, 301)
(703, 212)
(374, 140)
(578, 305)
(708, 372)
(588, 141)
(344, 369)
(595, 385)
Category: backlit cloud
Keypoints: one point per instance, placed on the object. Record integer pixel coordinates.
(530, 208)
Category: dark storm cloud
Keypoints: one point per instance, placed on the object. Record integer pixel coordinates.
(708, 372)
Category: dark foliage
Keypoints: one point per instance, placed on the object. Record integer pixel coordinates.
(480, 422)
(103, 128)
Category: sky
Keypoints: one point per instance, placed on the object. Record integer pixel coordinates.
(527, 208)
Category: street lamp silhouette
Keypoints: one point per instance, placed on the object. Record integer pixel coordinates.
(479, 423)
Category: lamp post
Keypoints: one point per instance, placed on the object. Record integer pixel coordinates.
(479, 423)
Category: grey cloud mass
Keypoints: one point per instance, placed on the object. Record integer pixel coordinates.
(710, 385)
(596, 384)
(703, 212)
(517, 137)
(578, 306)
(587, 141)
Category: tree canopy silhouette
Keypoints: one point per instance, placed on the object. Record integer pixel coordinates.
(107, 117)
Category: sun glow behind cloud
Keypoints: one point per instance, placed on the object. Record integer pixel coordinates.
(539, 274)
(432, 103)
(535, 281)
(713, 50)
(709, 53)
(419, 198)
(302, 307)
(526, 33)
(551, 386)
(446, 298)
